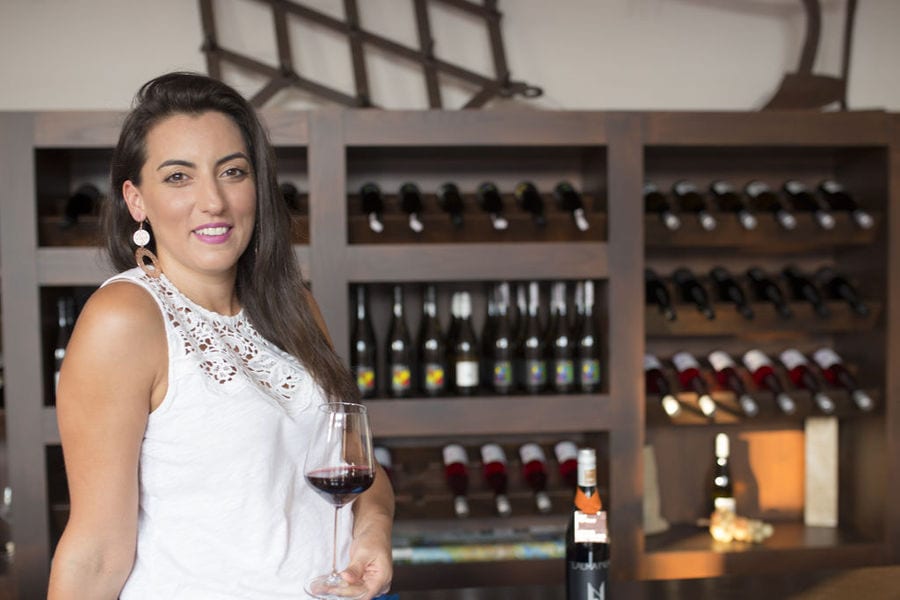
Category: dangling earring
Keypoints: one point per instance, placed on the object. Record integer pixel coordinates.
(141, 238)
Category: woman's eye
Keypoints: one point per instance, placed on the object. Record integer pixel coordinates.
(234, 172)
(176, 178)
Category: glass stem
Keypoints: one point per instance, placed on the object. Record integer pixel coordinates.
(334, 572)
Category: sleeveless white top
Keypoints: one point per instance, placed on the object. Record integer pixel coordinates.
(225, 511)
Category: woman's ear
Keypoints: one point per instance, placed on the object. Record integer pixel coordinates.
(134, 201)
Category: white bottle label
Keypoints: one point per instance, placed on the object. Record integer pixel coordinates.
(590, 528)
(454, 453)
(467, 373)
(727, 504)
(826, 358)
(720, 360)
(755, 359)
(565, 450)
(492, 453)
(792, 359)
(531, 451)
(684, 361)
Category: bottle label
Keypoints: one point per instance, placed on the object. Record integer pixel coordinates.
(589, 372)
(492, 453)
(501, 376)
(684, 361)
(563, 372)
(535, 373)
(467, 373)
(792, 359)
(590, 528)
(826, 358)
(401, 378)
(530, 452)
(720, 360)
(365, 379)
(586, 581)
(727, 504)
(755, 359)
(454, 453)
(651, 362)
(434, 377)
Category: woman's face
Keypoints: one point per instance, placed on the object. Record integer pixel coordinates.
(198, 193)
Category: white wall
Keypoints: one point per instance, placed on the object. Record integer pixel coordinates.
(585, 54)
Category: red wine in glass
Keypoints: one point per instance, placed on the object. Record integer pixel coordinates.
(341, 485)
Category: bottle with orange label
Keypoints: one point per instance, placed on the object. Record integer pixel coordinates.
(587, 539)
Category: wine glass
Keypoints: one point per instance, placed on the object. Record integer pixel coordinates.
(339, 466)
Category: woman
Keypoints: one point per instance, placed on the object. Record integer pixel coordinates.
(186, 397)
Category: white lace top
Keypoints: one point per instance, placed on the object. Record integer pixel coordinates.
(225, 512)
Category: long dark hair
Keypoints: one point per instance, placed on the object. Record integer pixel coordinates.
(269, 283)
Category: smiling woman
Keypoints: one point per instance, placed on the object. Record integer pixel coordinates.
(187, 397)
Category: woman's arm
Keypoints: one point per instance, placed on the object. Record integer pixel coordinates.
(370, 550)
(113, 372)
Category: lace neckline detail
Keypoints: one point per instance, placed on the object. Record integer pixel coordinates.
(171, 288)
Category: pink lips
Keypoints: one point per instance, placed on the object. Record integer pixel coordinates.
(213, 233)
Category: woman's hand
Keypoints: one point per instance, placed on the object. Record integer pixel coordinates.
(370, 558)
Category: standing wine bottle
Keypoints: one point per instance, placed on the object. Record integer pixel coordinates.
(765, 289)
(464, 353)
(726, 374)
(487, 332)
(656, 383)
(567, 462)
(721, 493)
(690, 200)
(691, 379)
(411, 204)
(534, 347)
(529, 199)
(693, 292)
(569, 200)
(399, 349)
(432, 348)
(363, 352)
(534, 472)
(805, 201)
(730, 291)
(493, 465)
(63, 333)
(500, 352)
(491, 202)
(656, 202)
(762, 371)
(837, 375)
(560, 342)
(587, 540)
(804, 289)
(838, 288)
(656, 293)
(588, 344)
(729, 200)
(764, 200)
(451, 202)
(372, 205)
(456, 474)
(838, 199)
(521, 311)
(800, 371)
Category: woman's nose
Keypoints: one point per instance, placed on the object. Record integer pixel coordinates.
(211, 200)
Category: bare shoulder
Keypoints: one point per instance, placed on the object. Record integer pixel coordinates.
(121, 308)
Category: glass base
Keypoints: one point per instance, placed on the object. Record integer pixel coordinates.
(334, 587)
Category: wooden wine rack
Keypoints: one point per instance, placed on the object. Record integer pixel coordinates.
(328, 154)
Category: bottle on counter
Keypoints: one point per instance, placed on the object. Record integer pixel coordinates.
(534, 472)
(456, 475)
(587, 539)
(493, 465)
(721, 487)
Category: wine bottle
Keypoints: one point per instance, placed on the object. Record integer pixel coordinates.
(656, 383)
(453, 328)
(838, 288)
(801, 375)
(491, 202)
(372, 205)
(521, 311)
(83, 201)
(657, 293)
(487, 333)
(363, 353)
(534, 472)
(399, 349)
(656, 202)
(588, 344)
(804, 200)
(569, 200)
(529, 199)
(836, 374)
(804, 289)
(63, 333)
(726, 373)
(432, 348)
(730, 291)
(493, 465)
(383, 457)
(456, 474)
(567, 462)
(501, 350)
(451, 202)
(691, 379)
(411, 204)
(762, 370)
(693, 292)
(838, 198)
(764, 200)
(765, 289)
(534, 347)
(722, 488)
(291, 196)
(587, 540)
(692, 201)
(560, 343)
(729, 200)
(464, 352)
